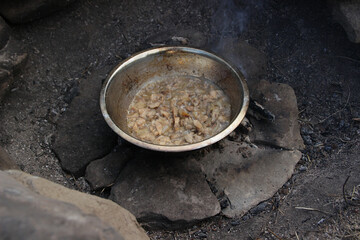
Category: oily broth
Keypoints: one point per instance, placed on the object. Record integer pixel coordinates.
(178, 111)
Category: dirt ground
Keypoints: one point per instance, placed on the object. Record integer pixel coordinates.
(306, 49)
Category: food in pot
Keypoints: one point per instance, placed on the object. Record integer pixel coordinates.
(178, 111)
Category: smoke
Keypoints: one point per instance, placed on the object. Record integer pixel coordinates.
(230, 20)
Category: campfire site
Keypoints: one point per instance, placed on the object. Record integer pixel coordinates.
(290, 170)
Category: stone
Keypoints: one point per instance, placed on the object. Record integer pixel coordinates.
(12, 61)
(246, 174)
(5, 161)
(107, 211)
(165, 191)
(251, 62)
(12, 57)
(347, 14)
(17, 11)
(28, 215)
(284, 131)
(103, 172)
(82, 133)
(4, 33)
(259, 208)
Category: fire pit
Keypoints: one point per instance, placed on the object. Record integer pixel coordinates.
(170, 62)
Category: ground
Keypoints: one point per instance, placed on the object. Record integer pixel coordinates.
(305, 48)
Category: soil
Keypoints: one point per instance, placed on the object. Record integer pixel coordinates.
(306, 49)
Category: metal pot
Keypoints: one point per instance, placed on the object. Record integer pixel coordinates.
(129, 76)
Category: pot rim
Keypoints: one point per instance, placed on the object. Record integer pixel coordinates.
(171, 148)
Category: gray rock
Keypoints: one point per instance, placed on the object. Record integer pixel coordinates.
(284, 132)
(4, 33)
(103, 172)
(250, 61)
(165, 192)
(248, 175)
(13, 57)
(5, 161)
(347, 14)
(17, 11)
(302, 168)
(12, 61)
(83, 134)
(259, 208)
(107, 211)
(27, 215)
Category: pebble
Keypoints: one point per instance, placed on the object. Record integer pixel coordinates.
(201, 235)
(259, 208)
(302, 168)
(235, 222)
(306, 130)
(307, 140)
(321, 221)
(327, 148)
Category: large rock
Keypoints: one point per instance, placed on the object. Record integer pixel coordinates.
(27, 215)
(250, 61)
(165, 192)
(347, 13)
(18, 11)
(103, 172)
(247, 175)
(107, 211)
(5, 161)
(82, 134)
(284, 131)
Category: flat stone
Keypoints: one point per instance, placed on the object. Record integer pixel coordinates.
(17, 11)
(5, 161)
(247, 175)
(28, 215)
(4, 33)
(107, 211)
(347, 14)
(103, 172)
(284, 131)
(82, 134)
(250, 61)
(165, 192)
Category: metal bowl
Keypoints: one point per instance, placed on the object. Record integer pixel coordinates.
(128, 77)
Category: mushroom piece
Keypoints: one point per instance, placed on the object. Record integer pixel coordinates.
(178, 110)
